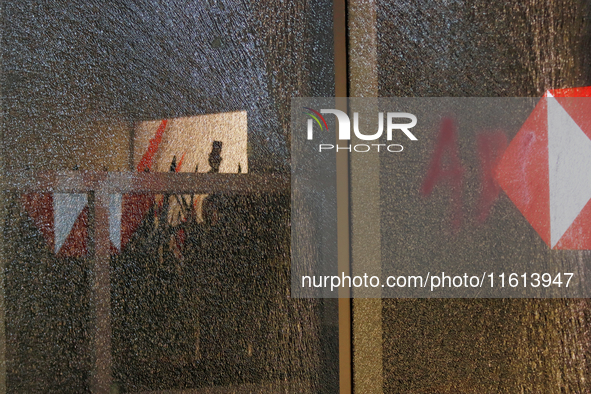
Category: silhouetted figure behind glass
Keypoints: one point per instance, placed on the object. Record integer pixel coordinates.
(215, 157)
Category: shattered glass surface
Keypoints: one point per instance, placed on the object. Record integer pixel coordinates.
(462, 49)
(201, 302)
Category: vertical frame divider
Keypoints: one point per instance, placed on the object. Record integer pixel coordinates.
(101, 291)
(343, 229)
(2, 228)
(365, 200)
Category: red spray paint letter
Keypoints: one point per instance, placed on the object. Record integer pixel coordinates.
(490, 150)
(446, 167)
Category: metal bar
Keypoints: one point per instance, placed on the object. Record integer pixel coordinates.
(2, 296)
(101, 292)
(2, 224)
(342, 168)
(365, 200)
(134, 182)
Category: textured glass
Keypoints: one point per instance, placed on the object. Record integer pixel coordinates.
(458, 48)
(478, 197)
(120, 274)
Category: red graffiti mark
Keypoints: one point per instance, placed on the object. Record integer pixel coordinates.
(490, 150)
(148, 157)
(134, 205)
(178, 166)
(446, 166)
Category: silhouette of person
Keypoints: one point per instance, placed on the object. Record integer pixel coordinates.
(215, 157)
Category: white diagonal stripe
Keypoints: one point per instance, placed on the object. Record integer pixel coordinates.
(115, 219)
(66, 209)
(569, 156)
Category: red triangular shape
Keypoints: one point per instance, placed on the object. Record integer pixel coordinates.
(523, 171)
(39, 207)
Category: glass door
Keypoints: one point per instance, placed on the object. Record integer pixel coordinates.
(146, 198)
